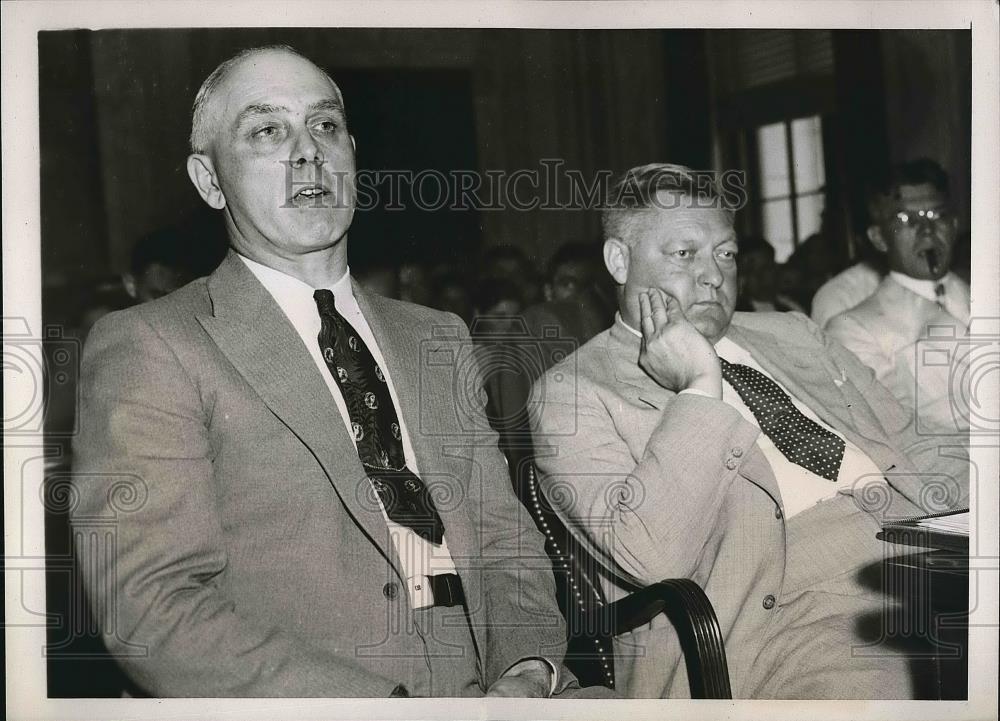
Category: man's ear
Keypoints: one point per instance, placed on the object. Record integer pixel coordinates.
(201, 170)
(616, 259)
(877, 239)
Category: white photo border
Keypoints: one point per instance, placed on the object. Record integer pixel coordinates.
(23, 510)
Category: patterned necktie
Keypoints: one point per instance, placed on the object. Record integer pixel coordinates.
(375, 424)
(799, 439)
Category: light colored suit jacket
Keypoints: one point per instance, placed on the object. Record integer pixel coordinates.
(239, 549)
(904, 338)
(843, 291)
(662, 485)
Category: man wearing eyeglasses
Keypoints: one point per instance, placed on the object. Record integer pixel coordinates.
(909, 330)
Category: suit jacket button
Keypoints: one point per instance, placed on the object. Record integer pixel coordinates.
(777, 513)
(730, 464)
(737, 452)
(768, 602)
(390, 590)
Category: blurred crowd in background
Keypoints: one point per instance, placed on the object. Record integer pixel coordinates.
(509, 301)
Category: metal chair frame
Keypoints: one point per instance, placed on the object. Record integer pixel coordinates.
(593, 622)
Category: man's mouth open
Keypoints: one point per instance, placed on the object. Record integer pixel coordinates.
(311, 195)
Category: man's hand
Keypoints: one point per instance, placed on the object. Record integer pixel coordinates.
(673, 352)
(527, 679)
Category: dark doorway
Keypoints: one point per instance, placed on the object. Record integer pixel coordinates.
(412, 122)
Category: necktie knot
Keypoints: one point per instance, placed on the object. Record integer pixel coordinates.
(325, 302)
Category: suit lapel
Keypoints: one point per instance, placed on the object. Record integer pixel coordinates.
(253, 333)
(623, 357)
(623, 351)
(811, 376)
(401, 345)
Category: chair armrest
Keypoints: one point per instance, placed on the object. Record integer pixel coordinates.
(692, 616)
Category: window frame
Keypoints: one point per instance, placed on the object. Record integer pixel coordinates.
(741, 114)
(793, 194)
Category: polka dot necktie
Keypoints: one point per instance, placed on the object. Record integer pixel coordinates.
(800, 440)
(374, 423)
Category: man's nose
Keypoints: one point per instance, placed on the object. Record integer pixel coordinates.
(709, 273)
(306, 149)
(926, 230)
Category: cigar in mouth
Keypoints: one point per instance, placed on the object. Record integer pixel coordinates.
(930, 257)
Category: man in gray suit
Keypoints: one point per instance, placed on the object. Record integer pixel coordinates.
(311, 511)
(745, 451)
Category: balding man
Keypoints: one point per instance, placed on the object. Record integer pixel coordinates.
(312, 516)
(744, 451)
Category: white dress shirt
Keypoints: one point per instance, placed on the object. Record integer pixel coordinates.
(955, 299)
(800, 488)
(916, 341)
(418, 558)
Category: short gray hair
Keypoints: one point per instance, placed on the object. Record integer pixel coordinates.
(201, 131)
(636, 189)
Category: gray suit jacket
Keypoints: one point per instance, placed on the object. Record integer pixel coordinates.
(243, 551)
(660, 485)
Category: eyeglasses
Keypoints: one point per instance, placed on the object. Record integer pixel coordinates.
(914, 218)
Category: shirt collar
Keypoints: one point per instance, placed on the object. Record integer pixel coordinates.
(626, 326)
(282, 285)
(923, 288)
(296, 297)
(732, 351)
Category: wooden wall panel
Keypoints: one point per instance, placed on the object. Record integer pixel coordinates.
(594, 99)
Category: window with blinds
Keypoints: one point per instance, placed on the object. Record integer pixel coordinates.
(769, 86)
(747, 59)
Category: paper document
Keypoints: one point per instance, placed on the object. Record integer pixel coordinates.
(954, 522)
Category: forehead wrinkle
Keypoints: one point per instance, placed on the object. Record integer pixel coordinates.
(258, 109)
(328, 104)
(684, 225)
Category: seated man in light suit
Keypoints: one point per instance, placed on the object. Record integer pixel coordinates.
(844, 291)
(744, 451)
(307, 516)
(920, 308)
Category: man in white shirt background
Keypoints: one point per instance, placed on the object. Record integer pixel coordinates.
(919, 313)
(844, 291)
